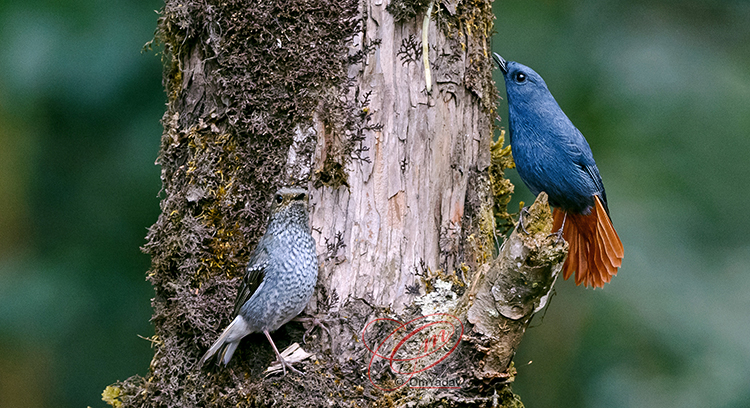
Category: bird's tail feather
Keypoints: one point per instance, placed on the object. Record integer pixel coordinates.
(229, 340)
(226, 353)
(595, 250)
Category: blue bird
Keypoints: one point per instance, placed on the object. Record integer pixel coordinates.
(552, 155)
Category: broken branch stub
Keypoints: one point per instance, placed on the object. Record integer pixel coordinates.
(516, 285)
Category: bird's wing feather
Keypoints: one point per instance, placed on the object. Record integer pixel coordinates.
(593, 171)
(254, 276)
(581, 152)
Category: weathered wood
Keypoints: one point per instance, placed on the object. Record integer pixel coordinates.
(514, 286)
(405, 188)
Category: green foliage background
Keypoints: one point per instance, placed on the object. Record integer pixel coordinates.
(79, 132)
(661, 90)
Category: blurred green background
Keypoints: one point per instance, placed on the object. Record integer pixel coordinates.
(79, 132)
(661, 89)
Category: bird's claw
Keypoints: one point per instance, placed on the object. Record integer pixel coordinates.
(281, 362)
(285, 365)
(291, 355)
(559, 233)
(558, 236)
(313, 322)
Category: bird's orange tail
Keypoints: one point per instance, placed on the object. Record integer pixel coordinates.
(595, 250)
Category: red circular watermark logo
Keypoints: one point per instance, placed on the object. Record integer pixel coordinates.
(400, 351)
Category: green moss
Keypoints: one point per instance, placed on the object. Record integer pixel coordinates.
(111, 395)
(239, 79)
(470, 23)
(508, 399)
(502, 188)
(539, 218)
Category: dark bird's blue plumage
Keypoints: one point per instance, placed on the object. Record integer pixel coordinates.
(552, 155)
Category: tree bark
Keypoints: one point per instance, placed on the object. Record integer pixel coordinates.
(407, 203)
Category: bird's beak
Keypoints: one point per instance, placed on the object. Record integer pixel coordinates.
(500, 61)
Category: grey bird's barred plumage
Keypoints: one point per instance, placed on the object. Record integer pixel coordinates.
(280, 276)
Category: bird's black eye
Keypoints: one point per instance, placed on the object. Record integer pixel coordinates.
(520, 77)
(279, 198)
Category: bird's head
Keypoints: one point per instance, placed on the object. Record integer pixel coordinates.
(290, 203)
(521, 82)
(289, 196)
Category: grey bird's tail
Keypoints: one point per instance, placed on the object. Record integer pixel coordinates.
(228, 342)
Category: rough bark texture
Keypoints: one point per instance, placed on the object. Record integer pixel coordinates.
(407, 194)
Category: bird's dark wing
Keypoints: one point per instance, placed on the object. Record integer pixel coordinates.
(593, 171)
(588, 165)
(580, 151)
(256, 272)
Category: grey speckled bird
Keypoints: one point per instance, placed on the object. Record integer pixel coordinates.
(280, 277)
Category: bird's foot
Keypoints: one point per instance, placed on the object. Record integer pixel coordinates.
(558, 236)
(311, 322)
(292, 354)
(290, 351)
(524, 211)
(285, 365)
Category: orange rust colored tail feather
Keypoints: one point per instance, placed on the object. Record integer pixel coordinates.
(595, 251)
